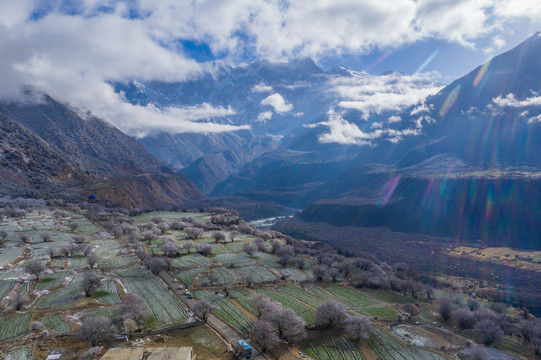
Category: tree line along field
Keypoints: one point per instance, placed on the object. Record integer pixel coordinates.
(228, 270)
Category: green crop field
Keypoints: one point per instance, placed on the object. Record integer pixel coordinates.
(303, 310)
(5, 287)
(295, 274)
(225, 276)
(235, 259)
(166, 308)
(386, 346)
(333, 348)
(107, 293)
(56, 323)
(9, 254)
(13, 327)
(185, 277)
(227, 311)
(191, 260)
(18, 354)
(301, 295)
(266, 259)
(65, 297)
(259, 274)
(243, 297)
(50, 281)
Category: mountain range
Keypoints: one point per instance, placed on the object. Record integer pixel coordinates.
(461, 163)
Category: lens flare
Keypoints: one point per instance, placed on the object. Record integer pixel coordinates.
(481, 73)
(450, 101)
(388, 191)
(378, 61)
(427, 61)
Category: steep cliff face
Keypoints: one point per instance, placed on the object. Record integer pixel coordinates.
(50, 151)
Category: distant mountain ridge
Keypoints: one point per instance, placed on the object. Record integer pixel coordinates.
(61, 154)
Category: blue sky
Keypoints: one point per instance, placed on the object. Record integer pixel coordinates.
(75, 49)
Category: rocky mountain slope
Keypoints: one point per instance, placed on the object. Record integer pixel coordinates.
(53, 151)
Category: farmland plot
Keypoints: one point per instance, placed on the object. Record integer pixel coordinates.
(117, 261)
(304, 311)
(107, 293)
(386, 346)
(218, 249)
(18, 354)
(227, 311)
(224, 276)
(235, 246)
(13, 327)
(77, 262)
(235, 259)
(11, 274)
(65, 297)
(86, 227)
(5, 287)
(166, 308)
(333, 348)
(191, 260)
(353, 297)
(186, 276)
(56, 323)
(50, 281)
(107, 248)
(259, 274)
(243, 297)
(301, 295)
(25, 288)
(267, 259)
(9, 254)
(295, 274)
(110, 312)
(170, 216)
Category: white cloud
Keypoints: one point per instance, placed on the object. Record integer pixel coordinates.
(264, 116)
(394, 119)
(534, 119)
(511, 101)
(376, 94)
(344, 132)
(261, 87)
(278, 103)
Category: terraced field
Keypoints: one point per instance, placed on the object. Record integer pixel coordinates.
(225, 276)
(5, 287)
(191, 260)
(14, 326)
(166, 308)
(304, 311)
(117, 261)
(107, 248)
(186, 276)
(107, 293)
(333, 348)
(9, 254)
(56, 323)
(235, 259)
(52, 280)
(227, 311)
(259, 274)
(68, 296)
(295, 274)
(18, 354)
(386, 346)
(243, 297)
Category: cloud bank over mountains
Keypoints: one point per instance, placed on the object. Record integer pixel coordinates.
(76, 50)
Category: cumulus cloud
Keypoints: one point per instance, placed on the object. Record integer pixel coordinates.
(261, 87)
(376, 94)
(511, 101)
(73, 50)
(278, 103)
(344, 132)
(264, 116)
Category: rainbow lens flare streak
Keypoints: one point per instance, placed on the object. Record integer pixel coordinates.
(388, 191)
(450, 101)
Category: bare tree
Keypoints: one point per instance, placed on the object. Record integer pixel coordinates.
(330, 314)
(248, 278)
(319, 272)
(358, 327)
(170, 249)
(275, 246)
(261, 303)
(204, 249)
(412, 310)
(212, 277)
(473, 304)
(90, 283)
(96, 329)
(148, 236)
(35, 268)
(134, 308)
(445, 308)
(193, 232)
(218, 236)
(264, 334)
(290, 326)
(202, 308)
(46, 236)
(464, 318)
(249, 249)
(52, 252)
(18, 301)
(92, 260)
(188, 246)
(3, 236)
(155, 265)
(489, 331)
